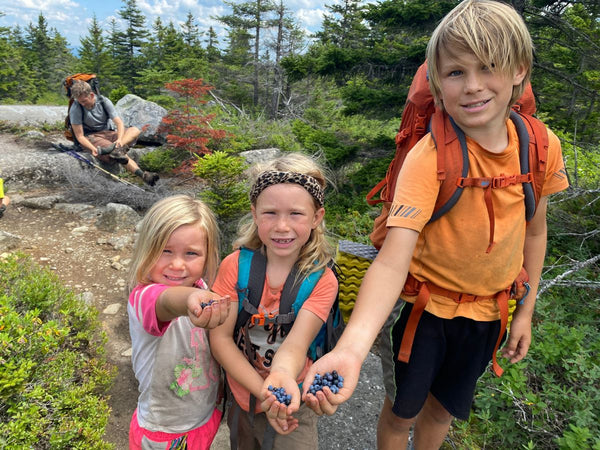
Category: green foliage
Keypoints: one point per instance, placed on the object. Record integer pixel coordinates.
(160, 160)
(330, 144)
(226, 192)
(249, 133)
(166, 101)
(53, 373)
(118, 93)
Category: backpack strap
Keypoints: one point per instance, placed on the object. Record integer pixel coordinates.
(451, 164)
(537, 156)
(526, 177)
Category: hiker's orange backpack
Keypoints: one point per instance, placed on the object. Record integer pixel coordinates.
(420, 116)
(89, 78)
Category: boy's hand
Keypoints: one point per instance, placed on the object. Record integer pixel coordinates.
(319, 402)
(346, 364)
(519, 339)
(279, 414)
(210, 315)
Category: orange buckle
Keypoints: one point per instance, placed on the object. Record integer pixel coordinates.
(261, 319)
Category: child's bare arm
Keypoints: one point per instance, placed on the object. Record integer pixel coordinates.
(187, 301)
(378, 293)
(534, 251)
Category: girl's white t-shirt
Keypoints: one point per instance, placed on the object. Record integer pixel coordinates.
(178, 377)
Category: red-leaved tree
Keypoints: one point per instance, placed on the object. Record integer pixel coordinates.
(188, 128)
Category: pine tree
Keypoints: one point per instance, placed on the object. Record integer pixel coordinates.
(95, 56)
(250, 17)
(130, 42)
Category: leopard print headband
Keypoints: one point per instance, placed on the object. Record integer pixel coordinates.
(271, 177)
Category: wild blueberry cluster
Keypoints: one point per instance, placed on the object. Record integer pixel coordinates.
(333, 381)
(281, 395)
(210, 302)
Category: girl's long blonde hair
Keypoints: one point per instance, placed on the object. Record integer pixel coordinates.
(317, 252)
(161, 220)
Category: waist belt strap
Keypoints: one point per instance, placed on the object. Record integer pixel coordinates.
(423, 291)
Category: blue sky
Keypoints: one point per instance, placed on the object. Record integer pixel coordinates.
(72, 18)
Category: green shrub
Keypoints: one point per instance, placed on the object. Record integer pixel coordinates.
(166, 101)
(336, 147)
(226, 192)
(118, 93)
(53, 371)
(162, 159)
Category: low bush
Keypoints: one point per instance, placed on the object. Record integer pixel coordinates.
(53, 370)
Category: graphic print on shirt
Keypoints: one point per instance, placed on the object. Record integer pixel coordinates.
(191, 375)
(265, 340)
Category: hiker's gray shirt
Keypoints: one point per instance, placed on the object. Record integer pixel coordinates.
(95, 119)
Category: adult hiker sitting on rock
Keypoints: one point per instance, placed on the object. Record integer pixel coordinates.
(90, 116)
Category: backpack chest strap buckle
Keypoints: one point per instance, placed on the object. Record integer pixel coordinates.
(270, 318)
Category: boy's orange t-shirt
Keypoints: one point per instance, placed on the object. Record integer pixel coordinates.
(451, 251)
(265, 339)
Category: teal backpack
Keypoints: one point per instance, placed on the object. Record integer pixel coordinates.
(251, 277)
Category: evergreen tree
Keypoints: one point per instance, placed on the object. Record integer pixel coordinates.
(130, 42)
(95, 56)
(189, 32)
(16, 83)
(251, 17)
(212, 45)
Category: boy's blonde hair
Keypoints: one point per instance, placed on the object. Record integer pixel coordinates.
(317, 251)
(491, 30)
(155, 229)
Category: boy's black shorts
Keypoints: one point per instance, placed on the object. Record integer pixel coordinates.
(447, 359)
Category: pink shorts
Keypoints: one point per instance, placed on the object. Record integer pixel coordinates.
(197, 439)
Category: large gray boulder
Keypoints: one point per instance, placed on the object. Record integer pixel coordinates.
(143, 114)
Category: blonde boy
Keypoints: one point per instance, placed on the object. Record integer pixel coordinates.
(479, 60)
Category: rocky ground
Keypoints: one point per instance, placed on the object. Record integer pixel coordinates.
(57, 217)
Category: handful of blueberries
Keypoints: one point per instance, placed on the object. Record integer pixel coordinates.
(205, 304)
(332, 380)
(280, 395)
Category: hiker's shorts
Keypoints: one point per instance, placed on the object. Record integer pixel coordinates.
(250, 436)
(197, 439)
(447, 359)
(103, 139)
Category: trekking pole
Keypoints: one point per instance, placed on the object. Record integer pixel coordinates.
(75, 155)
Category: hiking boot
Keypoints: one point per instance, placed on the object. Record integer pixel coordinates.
(150, 178)
(119, 154)
(106, 150)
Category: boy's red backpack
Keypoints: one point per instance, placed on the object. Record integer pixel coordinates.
(89, 78)
(420, 116)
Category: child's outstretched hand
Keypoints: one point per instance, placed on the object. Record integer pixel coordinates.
(344, 363)
(320, 403)
(278, 413)
(206, 311)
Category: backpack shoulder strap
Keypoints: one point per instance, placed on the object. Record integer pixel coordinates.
(296, 291)
(452, 161)
(252, 269)
(533, 153)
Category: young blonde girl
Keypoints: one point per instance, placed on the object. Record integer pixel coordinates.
(286, 225)
(174, 261)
